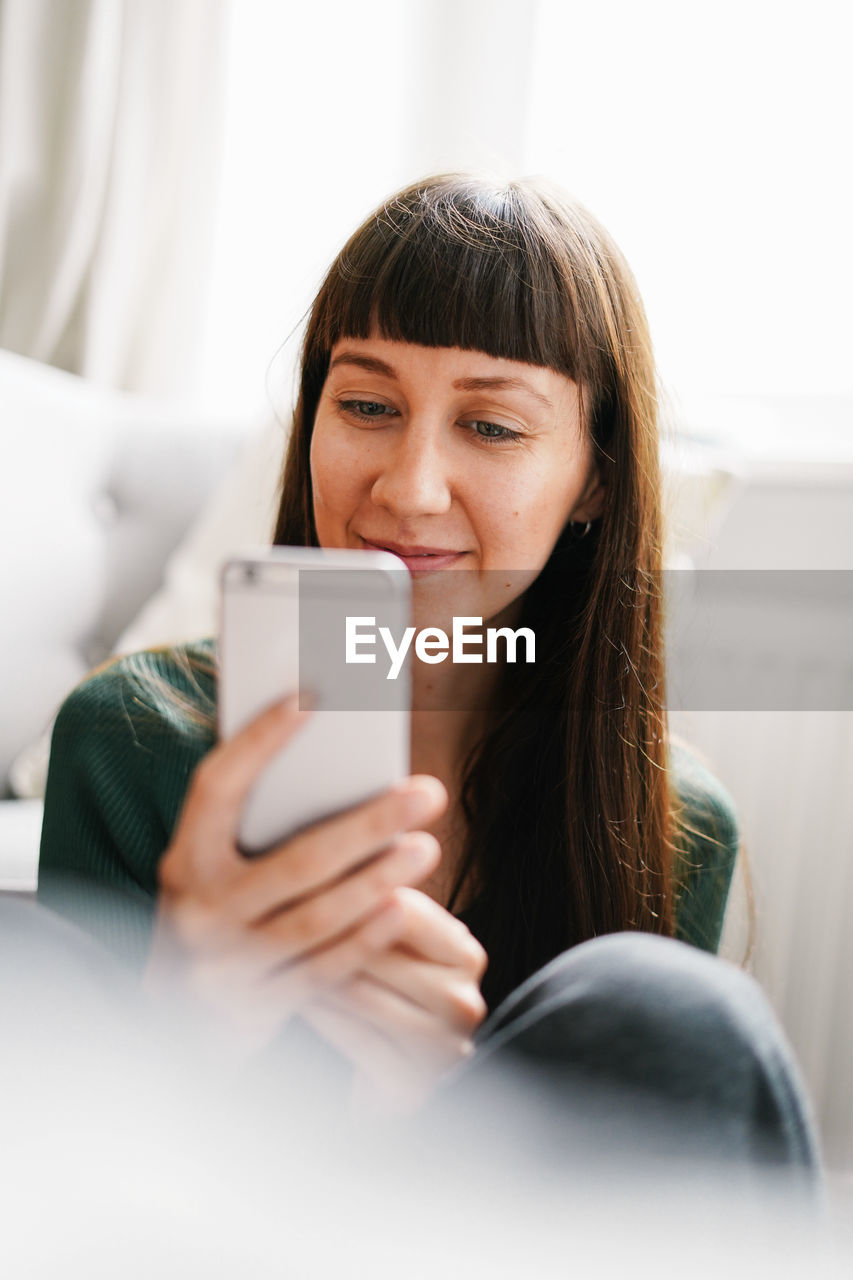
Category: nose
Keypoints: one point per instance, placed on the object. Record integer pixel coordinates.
(414, 479)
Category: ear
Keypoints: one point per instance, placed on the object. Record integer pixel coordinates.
(590, 504)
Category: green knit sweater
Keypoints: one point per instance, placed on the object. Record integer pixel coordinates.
(125, 744)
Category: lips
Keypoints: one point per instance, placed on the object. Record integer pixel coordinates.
(418, 559)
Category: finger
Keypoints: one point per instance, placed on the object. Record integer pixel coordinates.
(432, 933)
(423, 1039)
(283, 936)
(442, 991)
(332, 848)
(293, 985)
(223, 779)
(251, 992)
(317, 920)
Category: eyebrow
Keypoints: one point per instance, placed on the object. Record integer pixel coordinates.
(501, 384)
(373, 365)
(370, 363)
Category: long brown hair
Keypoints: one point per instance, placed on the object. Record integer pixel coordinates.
(569, 809)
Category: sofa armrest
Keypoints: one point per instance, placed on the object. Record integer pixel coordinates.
(20, 833)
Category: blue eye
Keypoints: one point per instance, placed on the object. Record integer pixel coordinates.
(374, 410)
(365, 408)
(494, 433)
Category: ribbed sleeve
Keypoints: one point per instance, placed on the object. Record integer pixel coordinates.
(708, 850)
(122, 755)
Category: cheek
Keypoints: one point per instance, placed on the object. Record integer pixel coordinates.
(334, 474)
(523, 518)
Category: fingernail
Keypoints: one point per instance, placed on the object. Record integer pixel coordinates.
(418, 803)
(420, 797)
(419, 856)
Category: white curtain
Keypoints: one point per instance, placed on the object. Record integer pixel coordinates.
(109, 146)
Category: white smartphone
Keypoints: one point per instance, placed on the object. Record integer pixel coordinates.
(284, 628)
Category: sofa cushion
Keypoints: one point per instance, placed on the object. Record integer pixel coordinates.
(96, 489)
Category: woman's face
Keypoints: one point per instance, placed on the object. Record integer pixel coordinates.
(453, 460)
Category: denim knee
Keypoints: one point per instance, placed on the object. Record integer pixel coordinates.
(659, 1027)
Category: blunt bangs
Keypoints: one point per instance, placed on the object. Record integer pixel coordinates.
(456, 263)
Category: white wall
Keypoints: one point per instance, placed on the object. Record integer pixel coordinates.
(711, 140)
(790, 771)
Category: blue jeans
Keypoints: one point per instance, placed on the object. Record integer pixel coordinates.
(632, 1043)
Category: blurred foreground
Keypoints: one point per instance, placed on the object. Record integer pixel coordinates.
(127, 1151)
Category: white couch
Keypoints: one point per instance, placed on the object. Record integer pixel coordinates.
(96, 490)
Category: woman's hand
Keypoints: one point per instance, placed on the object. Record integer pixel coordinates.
(409, 1014)
(254, 940)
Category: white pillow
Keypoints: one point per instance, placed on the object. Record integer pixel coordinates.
(241, 512)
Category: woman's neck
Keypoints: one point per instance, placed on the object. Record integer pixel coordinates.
(449, 707)
(448, 721)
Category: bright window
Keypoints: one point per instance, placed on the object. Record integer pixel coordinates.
(714, 143)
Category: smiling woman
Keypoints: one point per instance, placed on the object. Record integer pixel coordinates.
(477, 396)
(477, 379)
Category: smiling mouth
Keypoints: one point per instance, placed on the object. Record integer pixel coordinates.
(418, 559)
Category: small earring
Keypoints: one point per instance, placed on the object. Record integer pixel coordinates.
(575, 525)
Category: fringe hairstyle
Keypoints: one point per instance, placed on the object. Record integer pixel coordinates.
(570, 816)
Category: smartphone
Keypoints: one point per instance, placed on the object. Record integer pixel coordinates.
(284, 629)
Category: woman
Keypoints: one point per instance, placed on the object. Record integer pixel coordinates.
(477, 392)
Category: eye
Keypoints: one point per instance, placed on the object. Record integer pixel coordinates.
(493, 432)
(365, 408)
